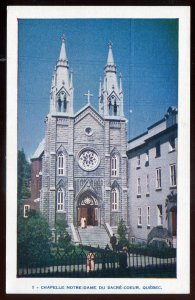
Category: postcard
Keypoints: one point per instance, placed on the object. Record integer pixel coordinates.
(98, 141)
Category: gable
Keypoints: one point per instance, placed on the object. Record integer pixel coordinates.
(88, 111)
(112, 97)
(62, 90)
(88, 129)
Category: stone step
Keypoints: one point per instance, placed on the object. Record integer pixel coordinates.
(94, 236)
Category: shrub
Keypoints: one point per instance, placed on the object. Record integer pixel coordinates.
(122, 231)
(34, 239)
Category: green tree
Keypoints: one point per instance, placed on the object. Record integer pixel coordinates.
(122, 231)
(64, 239)
(24, 175)
(34, 239)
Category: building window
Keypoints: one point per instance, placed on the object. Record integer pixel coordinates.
(60, 199)
(26, 210)
(139, 216)
(114, 165)
(147, 184)
(115, 199)
(61, 163)
(158, 178)
(139, 186)
(173, 175)
(157, 149)
(172, 143)
(148, 216)
(147, 158)
(138, 161)
(159, 215)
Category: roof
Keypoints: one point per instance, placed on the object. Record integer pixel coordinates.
(39, 151)
(155, 130)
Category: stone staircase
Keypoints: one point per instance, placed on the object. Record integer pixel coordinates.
(94, 236)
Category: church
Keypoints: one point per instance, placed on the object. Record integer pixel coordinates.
(84, 162)
(84, 167)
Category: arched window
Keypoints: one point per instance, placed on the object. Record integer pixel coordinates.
(115, 199)
(110, 107)
(115, 108)
(60, 199)
(59, 103)
(61, 164)
(114, 165)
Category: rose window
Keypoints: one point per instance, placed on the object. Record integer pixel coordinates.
(88, 131)
(88, 201)
(88, 160)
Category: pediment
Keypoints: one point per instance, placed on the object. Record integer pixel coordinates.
(115, 184)
(87, 189)
(114, 151)
(112, 97)
(60, 183)
(61, 149)
(89, 110)
(61, 91)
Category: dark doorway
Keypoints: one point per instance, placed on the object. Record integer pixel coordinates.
(90, 216)
(88, 208)
(90, 213)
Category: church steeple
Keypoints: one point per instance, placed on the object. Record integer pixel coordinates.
(63, 56)
(110, 60)
(111, 96)
(61, 95)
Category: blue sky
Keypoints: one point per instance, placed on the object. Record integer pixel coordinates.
(145, 52)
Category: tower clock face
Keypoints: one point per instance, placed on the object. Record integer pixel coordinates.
(88, 160)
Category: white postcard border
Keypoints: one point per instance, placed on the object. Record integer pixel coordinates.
(128, 285)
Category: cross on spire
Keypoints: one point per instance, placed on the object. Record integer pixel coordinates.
(88, 96)
(110, 44)
(63, 38)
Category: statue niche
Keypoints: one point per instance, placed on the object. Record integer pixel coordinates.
(61, 102)
(113, 105)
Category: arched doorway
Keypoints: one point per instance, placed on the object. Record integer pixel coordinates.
(88, 208)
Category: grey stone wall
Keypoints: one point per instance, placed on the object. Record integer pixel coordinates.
(68, 134)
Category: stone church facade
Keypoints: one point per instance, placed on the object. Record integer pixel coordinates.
(84, 163)
(84, 166)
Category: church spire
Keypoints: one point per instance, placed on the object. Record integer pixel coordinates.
(111, 92)
(110, 65)
(63, 50)
(110, 60)
(61, 99)
(62, 60)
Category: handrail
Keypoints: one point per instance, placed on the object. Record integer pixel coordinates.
(76, 235)
(108, 229)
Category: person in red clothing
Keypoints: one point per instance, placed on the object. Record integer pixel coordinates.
(90, 262)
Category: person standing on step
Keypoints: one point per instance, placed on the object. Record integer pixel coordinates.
(113, 241)
(82, 223)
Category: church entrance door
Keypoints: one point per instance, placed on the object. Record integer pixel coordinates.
(88, 208)
(91, 216)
